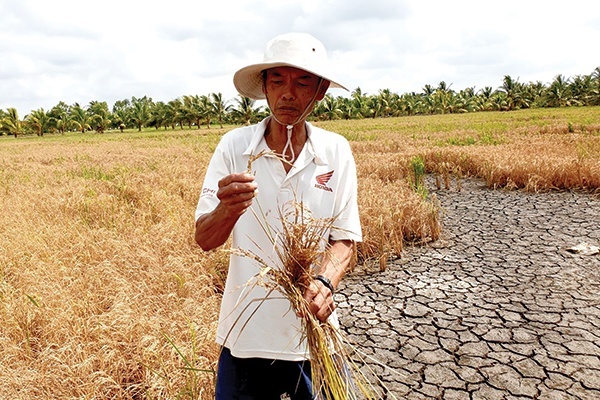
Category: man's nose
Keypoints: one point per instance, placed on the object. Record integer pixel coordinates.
(288, 92)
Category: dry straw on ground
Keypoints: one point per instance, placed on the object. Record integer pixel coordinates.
(104, 294)
(97, 264)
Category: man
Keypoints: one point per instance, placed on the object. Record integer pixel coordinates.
(264, 355)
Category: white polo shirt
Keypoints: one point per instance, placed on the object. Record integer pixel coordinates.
(252, 322)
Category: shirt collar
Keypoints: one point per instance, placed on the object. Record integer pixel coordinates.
(258, 136)
(313, 148)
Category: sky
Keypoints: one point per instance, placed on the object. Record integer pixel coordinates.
(80, 51)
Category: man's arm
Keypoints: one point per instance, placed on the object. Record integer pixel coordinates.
(334, 267)
(235, 195)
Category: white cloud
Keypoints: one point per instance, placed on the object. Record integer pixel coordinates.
(64, 50)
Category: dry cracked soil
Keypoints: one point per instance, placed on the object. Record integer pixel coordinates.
(498, 308)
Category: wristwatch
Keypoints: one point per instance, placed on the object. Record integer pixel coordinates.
(326, 282)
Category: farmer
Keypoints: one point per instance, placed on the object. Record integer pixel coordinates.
(264, 355)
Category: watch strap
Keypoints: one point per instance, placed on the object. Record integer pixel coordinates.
(325, 281)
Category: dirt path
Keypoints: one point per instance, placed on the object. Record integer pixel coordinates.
(497, 309)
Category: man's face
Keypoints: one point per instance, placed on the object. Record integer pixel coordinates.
(290, 91)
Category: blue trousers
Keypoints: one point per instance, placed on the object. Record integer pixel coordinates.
(262, 379)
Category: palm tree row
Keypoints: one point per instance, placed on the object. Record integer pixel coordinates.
(583, 90)
(194, 110)
(136, 113)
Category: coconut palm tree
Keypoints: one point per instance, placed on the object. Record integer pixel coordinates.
(80, 118)
(533, 93)
(513, 90)
(11, 123)
(220, 107)
(207, 110)
(327, 109)
(120, 114)
(175, 113)
(140, 111)
(374, 107)
(442, 101)
(244, 111)
(444, 87)
(386, 100)
(39, 121)
(192, 109)
(428, 90)
(499, 101)
(60, 117)
(581, 88)
(99, 115)
(347, 109)
(467, 100)
(2, 116)
(484, 96)
(359, 104)
(558, 94)
(160, 115)
(426, 104)
(595, 96)
(408, 103)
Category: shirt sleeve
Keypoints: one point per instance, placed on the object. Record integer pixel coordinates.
(219, 167)
(347, 223)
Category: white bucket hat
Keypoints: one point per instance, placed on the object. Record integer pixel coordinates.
(298, 50)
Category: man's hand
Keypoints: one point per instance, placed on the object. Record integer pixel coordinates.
(235, 194)
(335, 262)
(320, 300)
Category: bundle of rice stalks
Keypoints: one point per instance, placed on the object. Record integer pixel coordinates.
(299, 248)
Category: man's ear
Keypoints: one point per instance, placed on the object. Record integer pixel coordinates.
(323, 90)
(263, 75)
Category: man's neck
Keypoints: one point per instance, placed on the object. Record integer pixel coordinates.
(276, 137)
(277, 133)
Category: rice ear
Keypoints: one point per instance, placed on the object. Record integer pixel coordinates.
(299, 246)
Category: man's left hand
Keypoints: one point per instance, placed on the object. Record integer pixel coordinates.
(320, 300)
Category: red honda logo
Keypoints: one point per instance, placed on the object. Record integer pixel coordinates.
(324, 178)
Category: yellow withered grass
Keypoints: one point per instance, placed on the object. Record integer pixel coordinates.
(103, 292)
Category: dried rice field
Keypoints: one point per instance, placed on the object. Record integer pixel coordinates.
(103, 292)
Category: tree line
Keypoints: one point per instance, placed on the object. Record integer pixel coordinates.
(209, 110)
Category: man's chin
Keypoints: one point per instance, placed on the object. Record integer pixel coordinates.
(287, 118)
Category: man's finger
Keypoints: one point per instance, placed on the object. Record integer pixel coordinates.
(241, 178)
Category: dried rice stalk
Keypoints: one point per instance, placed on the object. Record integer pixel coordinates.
(300, 246)
(298, 249)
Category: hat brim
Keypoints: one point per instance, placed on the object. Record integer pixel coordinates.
(248, 80)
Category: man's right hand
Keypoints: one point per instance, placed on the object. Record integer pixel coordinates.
(235, 194)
